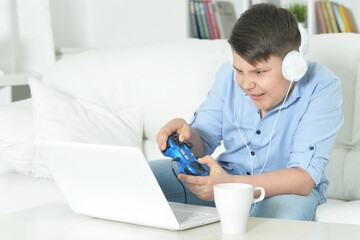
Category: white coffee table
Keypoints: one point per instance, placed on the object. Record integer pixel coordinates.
(56, 221)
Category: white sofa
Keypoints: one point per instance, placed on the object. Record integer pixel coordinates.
(171, 79)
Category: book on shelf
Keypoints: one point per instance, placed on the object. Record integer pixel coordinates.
(211, 19)
(334, 18)
(193, 21)
(199, 24)
(208, 20)
(225, 16)
(350, 20)
(203, 19)
(333, 23)
(343, 16)
(326, 16)
(339, 19)
(321, 17)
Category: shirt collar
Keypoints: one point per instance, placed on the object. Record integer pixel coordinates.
(293, 96)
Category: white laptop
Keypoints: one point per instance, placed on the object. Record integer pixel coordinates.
(116, 183)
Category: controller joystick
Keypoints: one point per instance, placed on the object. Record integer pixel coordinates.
(186, 160)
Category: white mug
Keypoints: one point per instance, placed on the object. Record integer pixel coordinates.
(233, 202)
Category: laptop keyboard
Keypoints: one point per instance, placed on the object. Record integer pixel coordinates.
(183, 216)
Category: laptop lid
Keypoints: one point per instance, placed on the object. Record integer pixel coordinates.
(110, 182)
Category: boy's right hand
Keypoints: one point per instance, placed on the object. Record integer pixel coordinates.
(178, 125)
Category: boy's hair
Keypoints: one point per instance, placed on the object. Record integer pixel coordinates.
(265, 30)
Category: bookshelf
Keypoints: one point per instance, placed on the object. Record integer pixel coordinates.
(213, 19)
(313, 23)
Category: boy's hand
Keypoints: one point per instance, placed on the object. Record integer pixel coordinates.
(202, 186)
(178, 125)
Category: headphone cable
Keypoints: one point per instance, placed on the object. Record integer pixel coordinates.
(182, 185)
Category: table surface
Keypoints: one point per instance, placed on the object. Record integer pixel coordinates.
(57, 221)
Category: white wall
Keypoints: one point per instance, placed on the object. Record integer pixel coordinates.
(89, 23)
(239, 5)
(99, 23)
(6, 48)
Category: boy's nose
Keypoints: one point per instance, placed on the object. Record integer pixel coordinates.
(247, 83)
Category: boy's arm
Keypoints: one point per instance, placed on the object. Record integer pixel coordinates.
(284, 181)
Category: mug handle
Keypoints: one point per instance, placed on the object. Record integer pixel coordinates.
(262, 195)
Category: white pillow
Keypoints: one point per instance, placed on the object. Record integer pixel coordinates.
(16, 135)
(59, 117)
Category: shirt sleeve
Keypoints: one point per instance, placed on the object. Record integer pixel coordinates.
(316, 132)
(208, 119)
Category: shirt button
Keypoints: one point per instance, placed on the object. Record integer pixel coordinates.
(258, 132)
(311, 148)
(252, 153)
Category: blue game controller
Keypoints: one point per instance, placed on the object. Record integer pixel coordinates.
(181, 153)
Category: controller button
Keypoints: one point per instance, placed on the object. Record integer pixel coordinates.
(189, 145)
(187, 171)
(198, 167)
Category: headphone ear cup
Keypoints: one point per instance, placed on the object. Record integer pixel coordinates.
(294, 66)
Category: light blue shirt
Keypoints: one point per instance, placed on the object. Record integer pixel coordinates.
(304, 134)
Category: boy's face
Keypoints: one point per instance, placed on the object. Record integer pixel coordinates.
(264, 83)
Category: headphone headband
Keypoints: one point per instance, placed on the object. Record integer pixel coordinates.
(304, 45)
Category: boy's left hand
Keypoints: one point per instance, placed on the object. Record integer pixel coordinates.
(202, 186)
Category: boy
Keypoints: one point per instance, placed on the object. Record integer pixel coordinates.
(284, 152)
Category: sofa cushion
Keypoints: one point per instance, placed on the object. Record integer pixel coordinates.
(341, 54)
(338, 211)
(167, 79)
(63, 118)
(345, 48)
(351, 182)
(344, 167)
(16, 148)
(335, 172)
(356, 125)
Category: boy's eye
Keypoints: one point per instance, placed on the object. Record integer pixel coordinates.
(260, 72)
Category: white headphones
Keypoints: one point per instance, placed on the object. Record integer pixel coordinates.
(294, 65)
